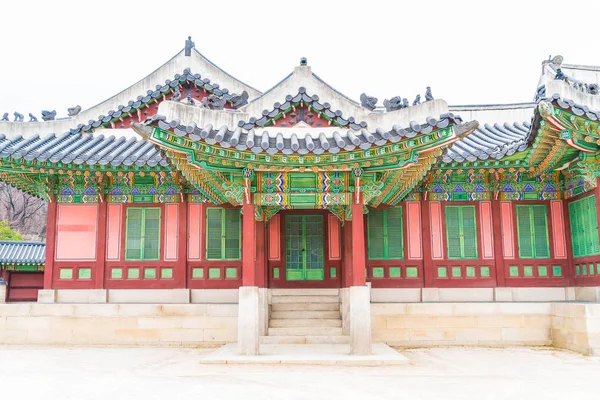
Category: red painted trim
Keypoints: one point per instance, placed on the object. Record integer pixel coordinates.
(507, 229)
(194, 237)
(50, 244)
(248, 246)
(498, 243)
(346, 264)
(180, 271)
(99, 269)
(558, 223)
(335, 245)
(428, 272)
(113, 232)
(487, 234)
(261, 254)
(358, 277)
(413, 217)
(274, 238)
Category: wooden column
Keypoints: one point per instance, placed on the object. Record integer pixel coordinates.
(248, 245)
(569, 272)
(428, 270)
(99, 268)
(498, 245)
(261, 256)
(347, 254)
(358, 271)
(182, 244)
(50, 243)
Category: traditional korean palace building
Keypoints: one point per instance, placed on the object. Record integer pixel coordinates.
(192, 180)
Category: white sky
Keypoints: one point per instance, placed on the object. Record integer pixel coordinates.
(56, 54)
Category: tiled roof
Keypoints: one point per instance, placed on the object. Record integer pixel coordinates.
(22, 252)
(302, 143)
(152, 95)
(490, 142)
(78, 148)
(577, 109)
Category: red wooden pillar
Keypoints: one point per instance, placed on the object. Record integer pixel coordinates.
(50, 243)
(347, 254)
(101, 246)
(261, 256)
(569, 272)
(248, 245)
(358, 271)
(428, 270)
(498, 245)
(182, 244)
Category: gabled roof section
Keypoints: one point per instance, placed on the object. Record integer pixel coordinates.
(196, 69)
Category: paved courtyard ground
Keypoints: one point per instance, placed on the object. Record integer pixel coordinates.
(166, 373)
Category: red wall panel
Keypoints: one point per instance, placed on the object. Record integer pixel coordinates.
(76, 232)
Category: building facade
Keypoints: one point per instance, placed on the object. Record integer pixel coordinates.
(191, 179)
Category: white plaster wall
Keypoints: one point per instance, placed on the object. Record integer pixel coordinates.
(495, 114)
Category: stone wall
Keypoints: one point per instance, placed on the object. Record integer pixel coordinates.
(573, 326)
(118, 324)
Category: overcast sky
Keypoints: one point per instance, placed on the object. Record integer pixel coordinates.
(56, 54)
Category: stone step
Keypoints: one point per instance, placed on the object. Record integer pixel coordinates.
(305, 307)
(304, 323)
(305, 292)
(304, 339)
(304, 299)
(305, 314)
(305, 331)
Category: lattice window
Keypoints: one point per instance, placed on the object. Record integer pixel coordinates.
(461, 232)
(584, 227)
(223, 234)
(142, 237)
(385, 235)
(532, 231)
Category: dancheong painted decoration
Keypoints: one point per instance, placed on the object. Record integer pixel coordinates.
(202, 181)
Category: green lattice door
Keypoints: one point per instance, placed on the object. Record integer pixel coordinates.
(304, 248)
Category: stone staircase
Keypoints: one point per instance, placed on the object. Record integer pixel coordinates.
(305, 316)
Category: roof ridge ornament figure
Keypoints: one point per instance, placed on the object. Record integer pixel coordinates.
(32, 118)
(73, 111)
(176, 95)
(417, 100)
(428, 95)
(393, 104)
(188, 46)
(303, 62)
(5, 117)
(368, 102)
(213, 102)
(405, 103)
(190, 99)
(238, 101)
(18, 117)
(48, 115)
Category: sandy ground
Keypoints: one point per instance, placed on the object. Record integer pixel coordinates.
(172, 374)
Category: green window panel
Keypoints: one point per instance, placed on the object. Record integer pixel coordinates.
(470, 272)
(461, 232)
(385, 234)
(197, 273)
(84, 273)
(116, 273)
(584, 227)
(133, 273)
(66, 273)
(513, 270)
(456, 273)
(149, 273)
(584, 270)
(556, 270)
(166, 273)
(411, 272)
(532, 231)
(214, 273)
(591, 266)
(528, 270)
(332, 272)
(542, 270)
(378, 272)
(577, 270)
(442, 272)
(484, 272)
(276, 273)
(394, 272)
(142, 234)
(223, 234)
(231, 273)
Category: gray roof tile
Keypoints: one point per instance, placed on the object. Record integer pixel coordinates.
(22, 252)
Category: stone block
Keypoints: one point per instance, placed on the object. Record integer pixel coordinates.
(396, 295)
(149, 296)
(388, 309)
(531, 294)
(27, 323)
(587, 293)
(96, 310)
(430, 295)
(15, 309)
(222, 335)
(222, 310)
(182, 336)
(47, 296)
(435, 309)
(526, 308)
(592, 310)
(161, 322)
(183, 310)
(466, 294)
(526, 334)
(360, 320)
(478, 334)
(378, 322)
(500, 321)
(434, 334)
(218, 296)
(3, 292)
(83, 296)
(503, 294)
(205, 322)
(248, 321)
(477, 309)
(139, 310)
(52, 310)
(391, 335)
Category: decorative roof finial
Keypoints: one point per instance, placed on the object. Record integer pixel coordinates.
(303, 62)
(188, 46)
